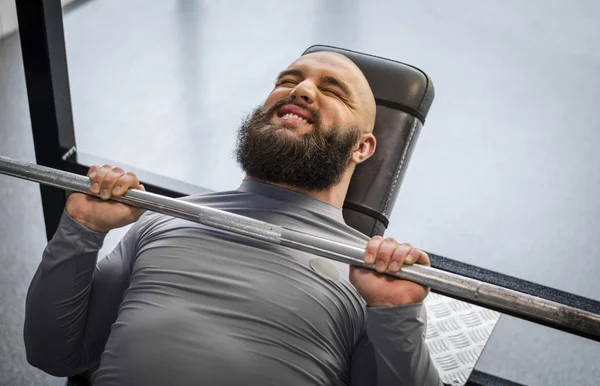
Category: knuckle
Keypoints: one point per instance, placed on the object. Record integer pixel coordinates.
(406, 249)
(118, 170)
(373, 244)
(110, 177)
(101, 174)
(385, 258)
(131, 177)
(385, 252)
(110, 180)
(371, 249)
(391, 240)
(416, 252)
(398, 256)
(389, 246)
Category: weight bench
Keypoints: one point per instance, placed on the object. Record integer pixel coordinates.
(456, 331)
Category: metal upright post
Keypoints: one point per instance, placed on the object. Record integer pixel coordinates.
(47, 79)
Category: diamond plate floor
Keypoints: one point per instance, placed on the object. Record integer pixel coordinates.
(456, 335)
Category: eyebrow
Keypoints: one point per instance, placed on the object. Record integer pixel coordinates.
(337, 83)
(291, 72)
(327, 79)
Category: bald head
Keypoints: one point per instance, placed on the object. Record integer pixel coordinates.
(327, 94)
(354, 78)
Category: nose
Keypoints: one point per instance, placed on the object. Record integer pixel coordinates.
(304, 91)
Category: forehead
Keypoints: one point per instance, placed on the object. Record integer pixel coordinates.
(327, 64)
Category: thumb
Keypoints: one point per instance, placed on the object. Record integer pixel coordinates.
(136, 213)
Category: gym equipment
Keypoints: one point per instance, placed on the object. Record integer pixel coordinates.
(477, 292)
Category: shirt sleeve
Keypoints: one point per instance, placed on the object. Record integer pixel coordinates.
(73, 298)
(392, 349)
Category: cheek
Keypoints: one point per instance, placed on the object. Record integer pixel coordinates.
(333, 115)
(274, 97)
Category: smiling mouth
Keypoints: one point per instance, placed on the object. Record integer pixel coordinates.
(295, 114)
(293, 117)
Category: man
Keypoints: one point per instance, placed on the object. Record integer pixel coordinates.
(180, 303)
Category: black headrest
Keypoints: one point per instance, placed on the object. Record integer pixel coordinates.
(403, 94)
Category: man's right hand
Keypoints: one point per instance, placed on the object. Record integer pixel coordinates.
(102, 215)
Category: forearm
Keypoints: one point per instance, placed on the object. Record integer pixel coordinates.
(398, 338)
(58, 299)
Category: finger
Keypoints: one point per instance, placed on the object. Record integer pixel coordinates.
(371, 249)
(92, 171)
(417, 256)
(109, 181)
(384, 254)
(398, 257)
(126, 181)
(98, 177)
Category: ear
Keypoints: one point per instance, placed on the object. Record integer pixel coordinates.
(365, 148)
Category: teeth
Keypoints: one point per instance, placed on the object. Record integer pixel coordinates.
(290, 115)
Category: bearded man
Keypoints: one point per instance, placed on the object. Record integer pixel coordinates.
(181, 303)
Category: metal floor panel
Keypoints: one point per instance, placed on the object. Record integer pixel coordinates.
(456, 335)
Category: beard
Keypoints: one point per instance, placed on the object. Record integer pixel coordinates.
(315, 161)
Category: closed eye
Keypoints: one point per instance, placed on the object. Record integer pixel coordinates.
(334, 94)
(286, 81)
(330, 91)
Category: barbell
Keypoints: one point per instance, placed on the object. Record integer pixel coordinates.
(481, 293)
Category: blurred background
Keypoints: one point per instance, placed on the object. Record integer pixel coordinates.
(504, 175)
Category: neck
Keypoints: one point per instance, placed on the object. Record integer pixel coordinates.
(334, 195)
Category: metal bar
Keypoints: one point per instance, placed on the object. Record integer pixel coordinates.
(533, 308)
(47, 80)
(174, 188)
(514, 283)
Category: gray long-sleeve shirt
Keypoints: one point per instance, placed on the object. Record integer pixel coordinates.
(180, 303)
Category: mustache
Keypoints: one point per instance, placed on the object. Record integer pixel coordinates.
(290, 101)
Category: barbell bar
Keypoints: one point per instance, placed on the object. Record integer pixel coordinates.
(481, 293)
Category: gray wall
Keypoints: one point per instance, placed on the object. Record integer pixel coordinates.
(8, 16)
(505, 171)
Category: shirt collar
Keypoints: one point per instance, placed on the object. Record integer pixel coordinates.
(291, 196)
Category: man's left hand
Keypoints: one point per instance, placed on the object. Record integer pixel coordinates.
(384, 291)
